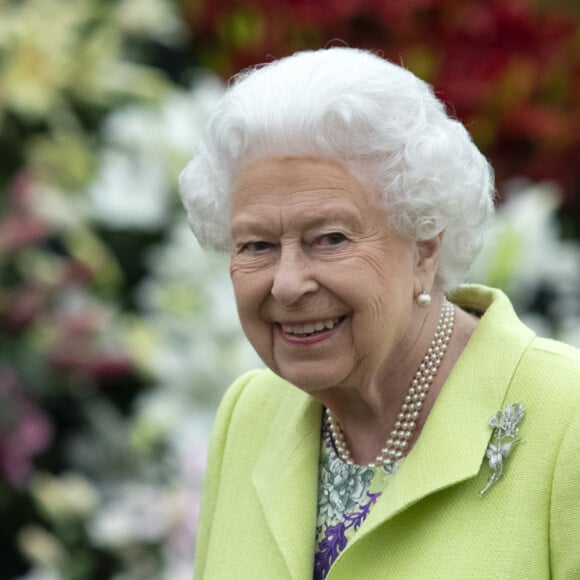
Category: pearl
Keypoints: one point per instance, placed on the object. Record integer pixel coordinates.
(403, 429)
(423, 300)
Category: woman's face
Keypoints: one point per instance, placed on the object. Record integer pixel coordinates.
(324, 286)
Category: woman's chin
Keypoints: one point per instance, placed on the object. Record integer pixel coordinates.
(309, 378)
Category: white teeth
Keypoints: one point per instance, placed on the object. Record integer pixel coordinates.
(302, 329)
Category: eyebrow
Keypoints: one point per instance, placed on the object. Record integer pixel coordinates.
(245, 223)
(245, 226)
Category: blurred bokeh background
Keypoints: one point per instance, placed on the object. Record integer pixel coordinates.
(118, 336)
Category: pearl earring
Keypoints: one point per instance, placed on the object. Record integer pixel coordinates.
(423, 300)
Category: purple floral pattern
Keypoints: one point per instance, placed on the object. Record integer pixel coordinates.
(344, 502)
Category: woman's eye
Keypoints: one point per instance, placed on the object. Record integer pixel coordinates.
(333, 239)
(258, 246)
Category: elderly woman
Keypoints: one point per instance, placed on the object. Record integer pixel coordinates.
(406, 427)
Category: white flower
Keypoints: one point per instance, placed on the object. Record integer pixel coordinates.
(41, 548)
(133, 512)
(69, 496)
(37, 59)
(156, 19)
(526, 257)
(342, 488)
(146, 147)
(130, 191)
(522, 240)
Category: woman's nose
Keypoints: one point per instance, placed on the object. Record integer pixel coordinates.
(293, 278)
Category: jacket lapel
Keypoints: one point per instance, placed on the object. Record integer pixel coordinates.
(286, 480)
(453, 442)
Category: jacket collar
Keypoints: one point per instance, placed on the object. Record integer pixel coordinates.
(450, 449)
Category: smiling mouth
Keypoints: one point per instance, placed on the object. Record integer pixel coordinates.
(311, 328)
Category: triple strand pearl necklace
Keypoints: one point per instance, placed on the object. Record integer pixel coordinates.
(404, 428)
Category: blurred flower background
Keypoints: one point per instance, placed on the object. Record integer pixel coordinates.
(118, 336)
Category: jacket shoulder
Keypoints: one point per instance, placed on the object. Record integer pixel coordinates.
(552, 348)
(256, 387)
(547, 383)
(253, 400)
(554, 364)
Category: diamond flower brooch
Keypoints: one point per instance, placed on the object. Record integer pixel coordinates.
(504, 437)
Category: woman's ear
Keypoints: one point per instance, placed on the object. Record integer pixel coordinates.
(428, 260)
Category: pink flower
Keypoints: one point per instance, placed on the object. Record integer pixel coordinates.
(24, 430)
(79, 348)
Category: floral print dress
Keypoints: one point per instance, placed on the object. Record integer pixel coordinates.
(346, 494)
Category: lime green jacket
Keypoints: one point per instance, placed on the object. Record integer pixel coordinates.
(259, 506)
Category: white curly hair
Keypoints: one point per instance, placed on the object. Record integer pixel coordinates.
(377, 119)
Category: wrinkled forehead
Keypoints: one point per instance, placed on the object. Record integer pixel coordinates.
(317, 178)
